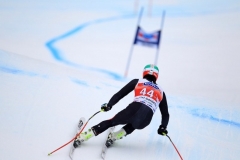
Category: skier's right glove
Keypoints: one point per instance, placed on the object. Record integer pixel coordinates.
(105, 107)
(162, 130)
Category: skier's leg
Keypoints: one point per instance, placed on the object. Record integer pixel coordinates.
(92, 132)
(104, 125)
(101, 127)
(128, 128)
(123, 117)
(124, 131)
(118, 135)
(86, 135)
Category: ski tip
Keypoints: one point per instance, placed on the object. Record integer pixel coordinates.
(83, 119)
(49, 154)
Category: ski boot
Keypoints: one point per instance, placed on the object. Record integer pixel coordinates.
(83, 137)
(112, 137)
(76, 143)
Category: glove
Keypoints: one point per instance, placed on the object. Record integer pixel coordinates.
(105, 107)
(162, 130)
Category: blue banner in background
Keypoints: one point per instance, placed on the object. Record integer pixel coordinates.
(147, 39)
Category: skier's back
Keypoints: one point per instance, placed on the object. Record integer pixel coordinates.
(138, 114)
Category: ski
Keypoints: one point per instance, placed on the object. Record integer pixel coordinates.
(79, 127)
(104, 148)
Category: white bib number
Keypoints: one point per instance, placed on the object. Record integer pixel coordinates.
(149, 93)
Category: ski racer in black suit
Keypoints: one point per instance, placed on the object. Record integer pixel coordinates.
(138, 114)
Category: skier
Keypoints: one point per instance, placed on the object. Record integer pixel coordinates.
(138, 114)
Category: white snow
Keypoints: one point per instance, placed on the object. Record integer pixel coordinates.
(60, 60)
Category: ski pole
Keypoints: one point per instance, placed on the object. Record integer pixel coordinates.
(76, 135)
(174, 146)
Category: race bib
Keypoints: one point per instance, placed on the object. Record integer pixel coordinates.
(148, 93)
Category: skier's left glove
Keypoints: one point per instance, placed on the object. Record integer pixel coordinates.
(105, 107)
(162, 130)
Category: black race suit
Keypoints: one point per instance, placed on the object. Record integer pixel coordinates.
(135, 116)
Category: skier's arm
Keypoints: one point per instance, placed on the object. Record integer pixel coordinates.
(164, 111)
(123, 92)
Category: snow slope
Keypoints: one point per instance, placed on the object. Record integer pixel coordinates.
(42, 103)
(60, 61)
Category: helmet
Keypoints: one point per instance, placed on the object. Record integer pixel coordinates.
(151, 69)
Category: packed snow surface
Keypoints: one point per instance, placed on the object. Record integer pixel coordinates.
(60, 60)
